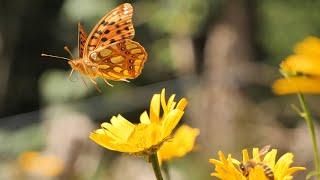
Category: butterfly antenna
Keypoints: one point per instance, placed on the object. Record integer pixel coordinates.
(69, 52)
(70, 75)
(58, 57)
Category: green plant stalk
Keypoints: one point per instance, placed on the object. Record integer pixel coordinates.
(307, 116)
(165, 167)
(155, 165)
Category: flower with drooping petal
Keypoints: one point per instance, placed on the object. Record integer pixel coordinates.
(146, 137)
(228, 168)
(39, 164)
(301, 70)
(182, 143)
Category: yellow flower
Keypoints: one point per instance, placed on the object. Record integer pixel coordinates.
(181, 143)
(228, 168)
(147, 136)
(43, 165)
(302, 69)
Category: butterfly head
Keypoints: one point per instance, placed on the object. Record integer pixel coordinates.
(77, 64)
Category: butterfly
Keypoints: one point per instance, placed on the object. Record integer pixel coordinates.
(108, 52)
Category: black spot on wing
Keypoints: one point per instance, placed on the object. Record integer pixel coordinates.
(104, 23)
(99, 32)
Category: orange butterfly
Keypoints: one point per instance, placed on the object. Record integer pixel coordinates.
(108, 52)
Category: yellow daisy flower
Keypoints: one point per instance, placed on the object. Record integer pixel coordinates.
(41, 165)
(302, 69)
(146, 137)
(229, 168)
(182, 143)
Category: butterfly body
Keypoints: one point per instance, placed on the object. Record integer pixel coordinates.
(108, 51)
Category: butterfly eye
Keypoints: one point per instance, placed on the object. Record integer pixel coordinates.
(130, 67)
(133, 56)
(94, 56)
(122, 48)
(127, 52)
(131, 61)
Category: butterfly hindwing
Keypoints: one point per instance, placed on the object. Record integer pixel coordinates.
(121, 60)
(114, 26)
(82, 38)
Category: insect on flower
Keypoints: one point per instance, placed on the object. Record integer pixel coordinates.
(246, 167)
(108, 52)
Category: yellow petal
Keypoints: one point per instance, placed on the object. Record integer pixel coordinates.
(296, 85)
(104, 139)
(155, 108)
(144, 118)
(115, 131)
(270, 158)
(163, 101)
(256, 154)
(309, 45)
(307, 64)
(171, 102)
(245, 155)
(106, 132)
(170, 122)
(257, 173)
(122, 122)
(294, 169)
(283, 164)
(182, 143)
(182, 104)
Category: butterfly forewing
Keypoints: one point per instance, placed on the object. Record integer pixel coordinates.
(121, 60)
(113, 27)
(82, 38)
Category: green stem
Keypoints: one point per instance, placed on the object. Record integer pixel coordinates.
(155, 165)
(307, 116)
(165, 167)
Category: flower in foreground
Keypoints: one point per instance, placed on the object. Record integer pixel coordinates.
(301, 70)
(41, 165)
(146, 137)
(182, 143)
(228, 168)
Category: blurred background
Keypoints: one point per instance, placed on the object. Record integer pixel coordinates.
(222, 55)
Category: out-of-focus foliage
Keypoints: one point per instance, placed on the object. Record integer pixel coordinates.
(13, 143)
(56, 87)
(283, 23)
(178, 17)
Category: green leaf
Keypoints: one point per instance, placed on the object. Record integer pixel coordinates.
(311, 174)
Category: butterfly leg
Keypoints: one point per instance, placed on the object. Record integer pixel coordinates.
(96, 85)
(71, 75)
(106, 81)
(125, 80)
(83, 81)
